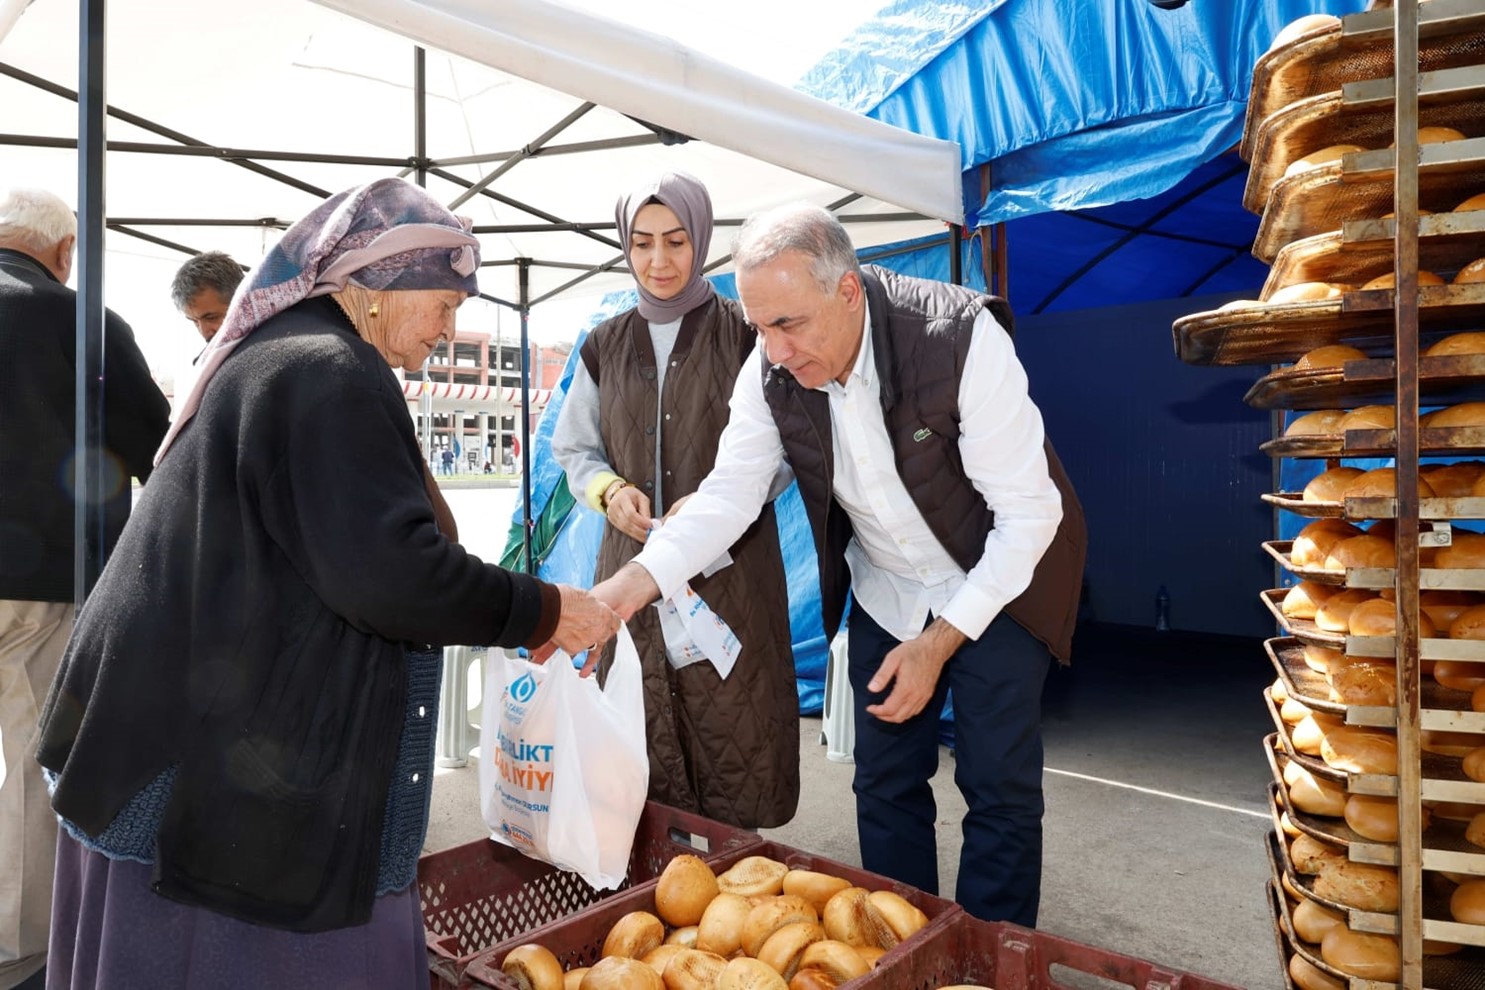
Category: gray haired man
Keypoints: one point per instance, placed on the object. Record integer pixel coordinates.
(203, 288)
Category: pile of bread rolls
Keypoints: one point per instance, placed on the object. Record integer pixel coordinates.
(759, 925)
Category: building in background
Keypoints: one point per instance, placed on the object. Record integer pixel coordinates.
(472, 398)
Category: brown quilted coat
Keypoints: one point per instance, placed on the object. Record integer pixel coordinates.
(727, 749)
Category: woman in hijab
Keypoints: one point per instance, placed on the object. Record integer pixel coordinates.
(637, 433)
(239, 739)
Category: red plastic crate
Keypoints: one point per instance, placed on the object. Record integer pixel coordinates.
(578, 940)
(962, 949)
(482, 893)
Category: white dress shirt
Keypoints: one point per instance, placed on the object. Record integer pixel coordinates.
(900, 573)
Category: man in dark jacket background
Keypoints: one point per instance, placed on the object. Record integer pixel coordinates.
(38, 355)
(936, 502)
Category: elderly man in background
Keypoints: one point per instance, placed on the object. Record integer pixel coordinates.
(203, 288)
(38, 320)
(935, 501)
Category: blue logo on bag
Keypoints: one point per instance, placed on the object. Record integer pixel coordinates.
(523, 689)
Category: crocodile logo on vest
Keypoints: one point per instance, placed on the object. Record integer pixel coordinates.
(922, 435)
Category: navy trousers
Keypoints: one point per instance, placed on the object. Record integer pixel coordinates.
(997, 683)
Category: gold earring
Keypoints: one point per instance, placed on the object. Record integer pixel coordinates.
(376, 310)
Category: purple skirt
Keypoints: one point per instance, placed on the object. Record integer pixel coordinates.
(112, 932)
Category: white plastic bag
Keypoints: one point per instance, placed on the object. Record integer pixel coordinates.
(563, 766)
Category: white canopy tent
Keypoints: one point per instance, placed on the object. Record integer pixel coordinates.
(229, 121)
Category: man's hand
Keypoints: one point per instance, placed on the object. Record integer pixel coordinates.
(629, 512)
(913, 669)
(629, 590)
(676, 506)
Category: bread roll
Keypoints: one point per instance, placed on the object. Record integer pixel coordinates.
(1359, 750)
(573, 978)
(1329, 485)
(743, 973)
(1286, 824)
(1455, 480)
(1307, 292)
(1278, 691)
(1466, 551)
(1302, 26)
(1358, 885)
(1467, 903)
(1434, 134)
(1361, 551)
(660, 956)
(1375, 818)
(1365, 684)
(1477, 699)
(1335, 613)
(1469, 624)
(850, 917)
(770, 915)
(1475, 202)
(1321, 156)
(1449, 743)
(634, 935)
(1312, 920)
(1469, 342)
(783, 949)
(533, 967)
(1474, 833)
(1459, 675)
(721, 925)
(1301, 601)
(1321, 659)
(1468, 275)
(1369, 418)
(1293, 711)
(1321, 422)
(1308, 735)
(1314, 543)
(686, 886)
(903, 917)
(1463, 414)
(817, 888)
(835, 958)
(1316, 795)
(1443, 607)
(691, 969)
(1329, 356)
(621, 973)
(1383, 482)
(1309, 855)
(1388, 280)
(1370, 957)
(753, 876)
(1378, 617)
(1474, 764)
(1307, 976)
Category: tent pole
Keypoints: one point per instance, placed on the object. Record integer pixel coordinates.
(525, 275)
(92, 104)
(420, 176)
(956, 249)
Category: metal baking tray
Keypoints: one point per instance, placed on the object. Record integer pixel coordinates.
(1443, 380)
(1450, 34)
(1316, 122)
(1362, 250)
(1281, 334)
(1429, 578)
(1303, 630)
(1304, 685)
(1359, 187)
(1295, 501)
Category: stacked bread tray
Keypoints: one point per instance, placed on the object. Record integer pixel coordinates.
(1378, 749)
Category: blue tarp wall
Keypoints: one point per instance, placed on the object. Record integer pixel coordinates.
(1100, 132)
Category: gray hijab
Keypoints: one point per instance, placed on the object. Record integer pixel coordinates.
(688, 198)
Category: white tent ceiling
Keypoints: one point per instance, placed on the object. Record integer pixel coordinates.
(291, 77)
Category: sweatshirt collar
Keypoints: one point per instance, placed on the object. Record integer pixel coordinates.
(11, 258)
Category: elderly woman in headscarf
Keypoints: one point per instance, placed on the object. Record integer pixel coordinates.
(239, 738)
(637, 433)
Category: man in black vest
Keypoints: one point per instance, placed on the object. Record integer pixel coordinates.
(903, 411)
(38, 321)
